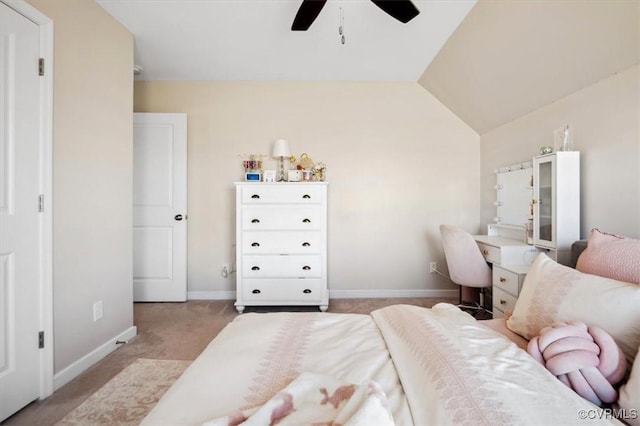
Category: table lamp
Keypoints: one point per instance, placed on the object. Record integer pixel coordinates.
(281, 150)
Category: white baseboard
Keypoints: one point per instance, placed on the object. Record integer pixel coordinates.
(211, 295)
(74, 370)
(336, 294)
(379, 294)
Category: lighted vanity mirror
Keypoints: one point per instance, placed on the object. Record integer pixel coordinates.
(514, 192)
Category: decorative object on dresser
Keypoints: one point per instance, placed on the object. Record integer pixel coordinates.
(252, 164)
(556, 202)
(269, 176)
(281, 244)
(467, 266)
(280, 150)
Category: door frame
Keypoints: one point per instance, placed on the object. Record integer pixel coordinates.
(45, 288)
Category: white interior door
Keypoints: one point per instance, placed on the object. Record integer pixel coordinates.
(159, 207)
(20, 232)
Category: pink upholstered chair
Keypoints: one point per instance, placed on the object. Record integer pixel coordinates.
(467, 266)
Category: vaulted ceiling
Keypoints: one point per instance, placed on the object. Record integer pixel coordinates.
(509, 58)
(489, 62)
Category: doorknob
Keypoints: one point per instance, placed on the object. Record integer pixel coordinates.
(178, 217)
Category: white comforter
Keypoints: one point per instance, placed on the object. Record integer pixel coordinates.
(436, 366)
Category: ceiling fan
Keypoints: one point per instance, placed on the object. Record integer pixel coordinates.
(402, 10)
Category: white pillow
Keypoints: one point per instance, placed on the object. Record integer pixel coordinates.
(629, 395)
(554, 293)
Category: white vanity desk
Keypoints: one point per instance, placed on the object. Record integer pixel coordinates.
(511, 259)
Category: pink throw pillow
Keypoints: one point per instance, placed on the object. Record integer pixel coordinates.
(611, 256)
(586, 359)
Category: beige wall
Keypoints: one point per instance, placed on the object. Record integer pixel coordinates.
(605, 120)
(398, 164)
(92, 176)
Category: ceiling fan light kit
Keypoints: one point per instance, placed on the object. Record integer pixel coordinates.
(402, 10)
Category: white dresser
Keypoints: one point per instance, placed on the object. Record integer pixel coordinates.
(281, 244)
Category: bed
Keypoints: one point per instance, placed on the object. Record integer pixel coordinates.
(408, 365)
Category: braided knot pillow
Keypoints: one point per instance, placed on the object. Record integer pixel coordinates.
(586, 359)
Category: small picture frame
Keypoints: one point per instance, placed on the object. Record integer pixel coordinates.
(294, 175)
(269, 176)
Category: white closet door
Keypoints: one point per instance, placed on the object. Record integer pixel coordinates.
(19, 211)
(160, 207)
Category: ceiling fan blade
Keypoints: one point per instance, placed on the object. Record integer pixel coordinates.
(308, 12)
(402, 10)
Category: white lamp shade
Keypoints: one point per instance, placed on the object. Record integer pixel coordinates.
(281, 148)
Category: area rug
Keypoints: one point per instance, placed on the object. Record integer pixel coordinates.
(129, 396)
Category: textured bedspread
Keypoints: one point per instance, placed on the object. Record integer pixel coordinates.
(257, 355)
(457, 372)
(436, 366)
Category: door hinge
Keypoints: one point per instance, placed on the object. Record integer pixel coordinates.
(41, 66)
(41, 339)
(41, 203)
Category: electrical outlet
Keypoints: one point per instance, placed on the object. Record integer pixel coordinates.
(97, 310)
(432, 267)
(225, 271)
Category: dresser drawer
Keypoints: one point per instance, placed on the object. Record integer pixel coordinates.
(506, 280)
(291, 291)
(282, 266)
(490, 253)
(282, 194)
(502, 300)
(272, 218)
(282, 242)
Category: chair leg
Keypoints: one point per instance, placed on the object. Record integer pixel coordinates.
(473, 308)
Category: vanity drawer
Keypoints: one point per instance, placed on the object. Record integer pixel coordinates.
(490, 253)
(506, 280)
(497, 313)
(502, 300)
(281, 194)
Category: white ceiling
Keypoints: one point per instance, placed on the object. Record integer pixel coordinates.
(252, 39)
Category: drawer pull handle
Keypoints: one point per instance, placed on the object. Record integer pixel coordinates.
(306, 291)
(306, 244)
(255, 291)
(503, 302)
(255, 196)
(503, 280)
(306, 267)
(306, 196)
(485, 252)
(255, 244)
(305, 220)
(255, 268)
(255, 220)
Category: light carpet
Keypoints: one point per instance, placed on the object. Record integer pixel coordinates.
(128, 397)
